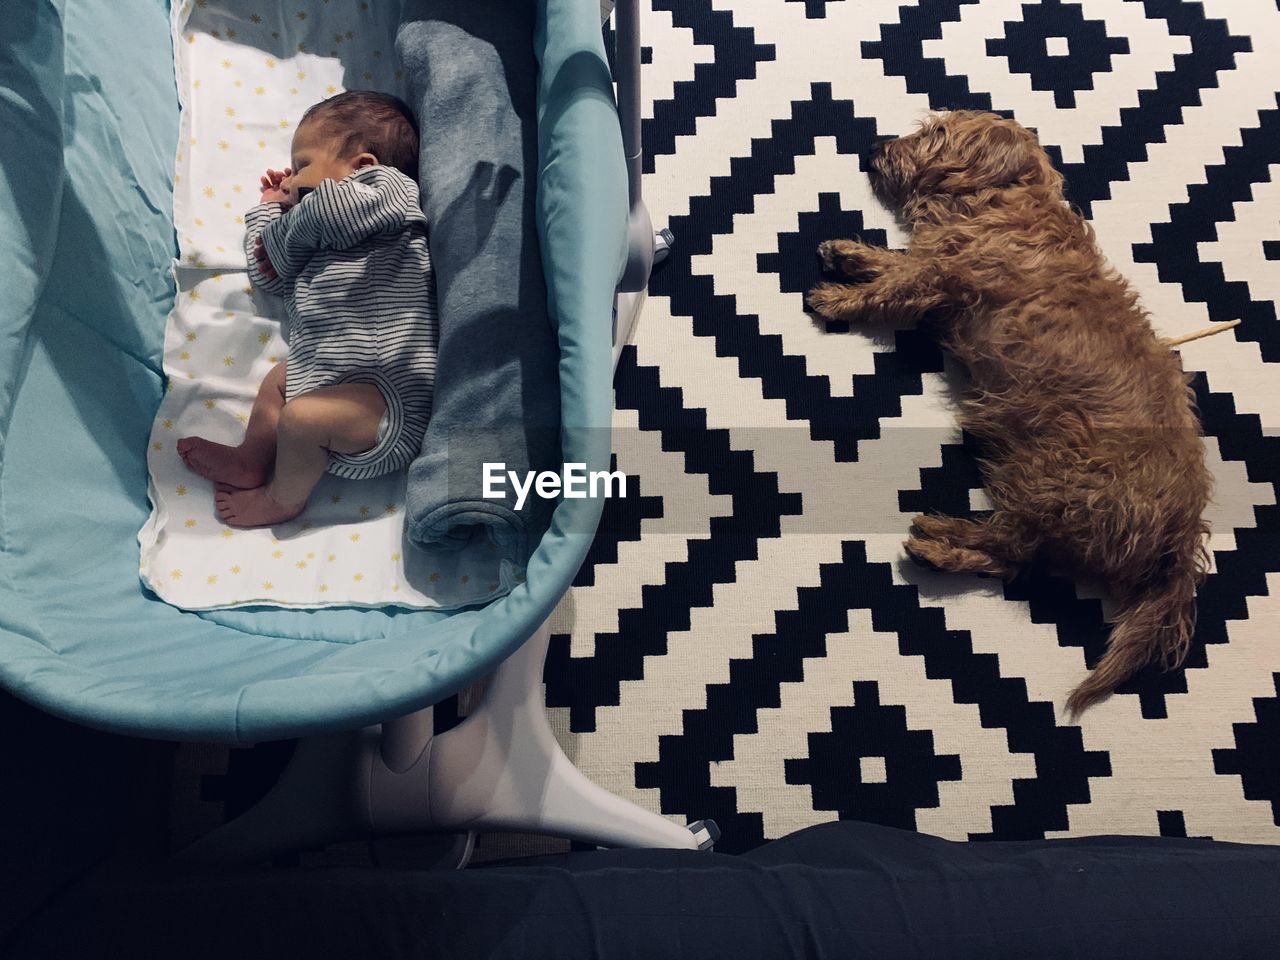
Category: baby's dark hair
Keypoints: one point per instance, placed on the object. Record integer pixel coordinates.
(377, 122)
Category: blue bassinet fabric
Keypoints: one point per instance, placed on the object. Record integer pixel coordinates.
(81, 378)
(473, 83)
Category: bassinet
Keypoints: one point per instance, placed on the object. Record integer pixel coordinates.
(85, 220)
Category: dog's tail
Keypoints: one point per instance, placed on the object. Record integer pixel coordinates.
(1156, 620)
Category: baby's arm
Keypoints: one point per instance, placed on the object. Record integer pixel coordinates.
(374, 201)
(256, 222)
(271, 206)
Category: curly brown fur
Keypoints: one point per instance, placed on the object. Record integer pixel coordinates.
(1093, 457)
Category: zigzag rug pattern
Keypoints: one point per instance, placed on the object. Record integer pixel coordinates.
(746, 641)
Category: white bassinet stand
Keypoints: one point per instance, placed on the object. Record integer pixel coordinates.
(500, 769)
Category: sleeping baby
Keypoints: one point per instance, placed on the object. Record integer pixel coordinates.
(341, 236)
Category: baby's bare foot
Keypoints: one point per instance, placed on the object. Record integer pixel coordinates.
(221, 463)
(252, 508)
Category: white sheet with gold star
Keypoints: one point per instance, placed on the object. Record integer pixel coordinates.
(246, 72)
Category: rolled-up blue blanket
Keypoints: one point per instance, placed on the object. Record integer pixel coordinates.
(472, 80)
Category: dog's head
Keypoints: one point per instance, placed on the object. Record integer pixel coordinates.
(963, 153)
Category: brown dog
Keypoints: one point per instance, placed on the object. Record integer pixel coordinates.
(1092, 450)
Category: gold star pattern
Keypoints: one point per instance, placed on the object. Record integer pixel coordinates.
(190, 522)
(324, 588)
(357, 577)
(168, 424)
(191, 338)
(435, 577)
(213, 578)
(389, 509)
(209, 404)
(355, 537)
(175, 574)
(268, 585)
(301, 564)
(336, 498)
(181, 490)
(228, 361)
(236, 568)
(227, 533)
(277, 554)
(364, 511)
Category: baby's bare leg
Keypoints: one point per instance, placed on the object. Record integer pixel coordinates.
(338, 419)
(249, 464)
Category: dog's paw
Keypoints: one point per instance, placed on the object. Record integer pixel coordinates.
(828, 300)
(849, 257)
(923, 554)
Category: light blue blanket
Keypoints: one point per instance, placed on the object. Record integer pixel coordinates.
(473, 81)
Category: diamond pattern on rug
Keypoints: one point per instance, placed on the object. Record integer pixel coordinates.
(746, 641)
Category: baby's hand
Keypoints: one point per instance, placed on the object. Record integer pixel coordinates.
(264, 263)
(271, 192)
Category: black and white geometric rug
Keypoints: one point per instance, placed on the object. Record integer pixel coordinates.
(746, 641)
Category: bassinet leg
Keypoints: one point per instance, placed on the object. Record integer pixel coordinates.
(502, 769)
(322, 797)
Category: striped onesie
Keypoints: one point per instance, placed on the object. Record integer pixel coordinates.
(353, 267)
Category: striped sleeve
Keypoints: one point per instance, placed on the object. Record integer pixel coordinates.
(255, 222)
(291, 239)
(375, 201)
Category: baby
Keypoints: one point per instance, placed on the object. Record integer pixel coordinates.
(341, 236)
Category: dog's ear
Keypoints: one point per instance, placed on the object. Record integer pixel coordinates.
(995, 156)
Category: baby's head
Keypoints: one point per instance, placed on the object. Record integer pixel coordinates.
(351, 130)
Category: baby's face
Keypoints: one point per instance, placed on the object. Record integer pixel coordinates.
(316, 157)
